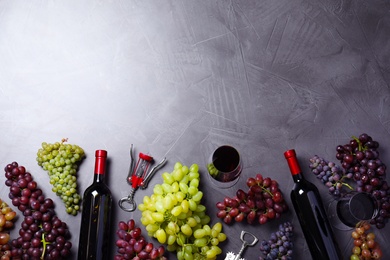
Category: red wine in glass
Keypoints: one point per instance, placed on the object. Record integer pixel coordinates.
(225, 166)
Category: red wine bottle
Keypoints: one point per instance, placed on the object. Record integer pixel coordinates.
(96, 214)
(312, 217)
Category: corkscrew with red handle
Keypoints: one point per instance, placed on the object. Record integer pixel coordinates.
(138, 176)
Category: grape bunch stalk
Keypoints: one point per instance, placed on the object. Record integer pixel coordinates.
(279, 245)
(7, 217)
(175, 216)
(263, 202)
(61, 161)
(131, 244)
(42, 234)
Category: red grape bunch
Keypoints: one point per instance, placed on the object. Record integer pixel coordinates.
(261, 203)
(365, 246)
(360, 157)
(132, 245)
(42, 234)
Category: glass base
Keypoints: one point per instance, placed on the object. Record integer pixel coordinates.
(220, 184)
(334, 219)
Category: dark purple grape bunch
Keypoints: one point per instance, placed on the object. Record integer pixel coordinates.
(131, 244)
(263, 202)
(42, 234)
(361, 158)
(279, 245)
(331, 175)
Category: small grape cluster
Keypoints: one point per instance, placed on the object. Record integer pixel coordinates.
(360, 157)
(263, 202)
(7, 217)
(131, 244)
(42, 234)
(365, 246)
(331, 175)
(279, 245)
(175, 216)
(61, 162)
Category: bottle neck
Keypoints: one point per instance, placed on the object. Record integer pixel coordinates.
(298, 177)
(100, 166)
(293, 164)
(99, 178)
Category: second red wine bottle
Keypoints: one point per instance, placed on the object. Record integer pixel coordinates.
(96, 214)
(312, 217)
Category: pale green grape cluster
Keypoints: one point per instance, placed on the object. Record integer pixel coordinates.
(61, 162)
(174, 215)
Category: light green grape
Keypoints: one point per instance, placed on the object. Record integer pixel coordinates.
(171, 239)
(161, 236)
(186, 230)
(61, 161)
(199, 233)
(175, 216)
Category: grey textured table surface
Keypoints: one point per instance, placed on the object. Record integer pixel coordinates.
(173, 77)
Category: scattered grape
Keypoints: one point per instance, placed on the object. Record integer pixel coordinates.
(42, 234)
(263, 202)
(364, 244)
(279, 245)
(175, 216)
(61, 162)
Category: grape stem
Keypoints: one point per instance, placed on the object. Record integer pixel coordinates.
(45, 243)
(346, 184)
(269, 192)
(361, 147)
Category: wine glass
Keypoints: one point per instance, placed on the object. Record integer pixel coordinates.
(224, 166)
(351, 209)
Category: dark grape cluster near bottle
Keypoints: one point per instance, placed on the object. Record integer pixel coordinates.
(42, 234)
(361, 170)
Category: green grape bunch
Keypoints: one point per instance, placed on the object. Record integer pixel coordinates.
(175, 216)
(61, 161)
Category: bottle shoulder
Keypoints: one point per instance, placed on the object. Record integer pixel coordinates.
(304, 186)
(98, 187)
